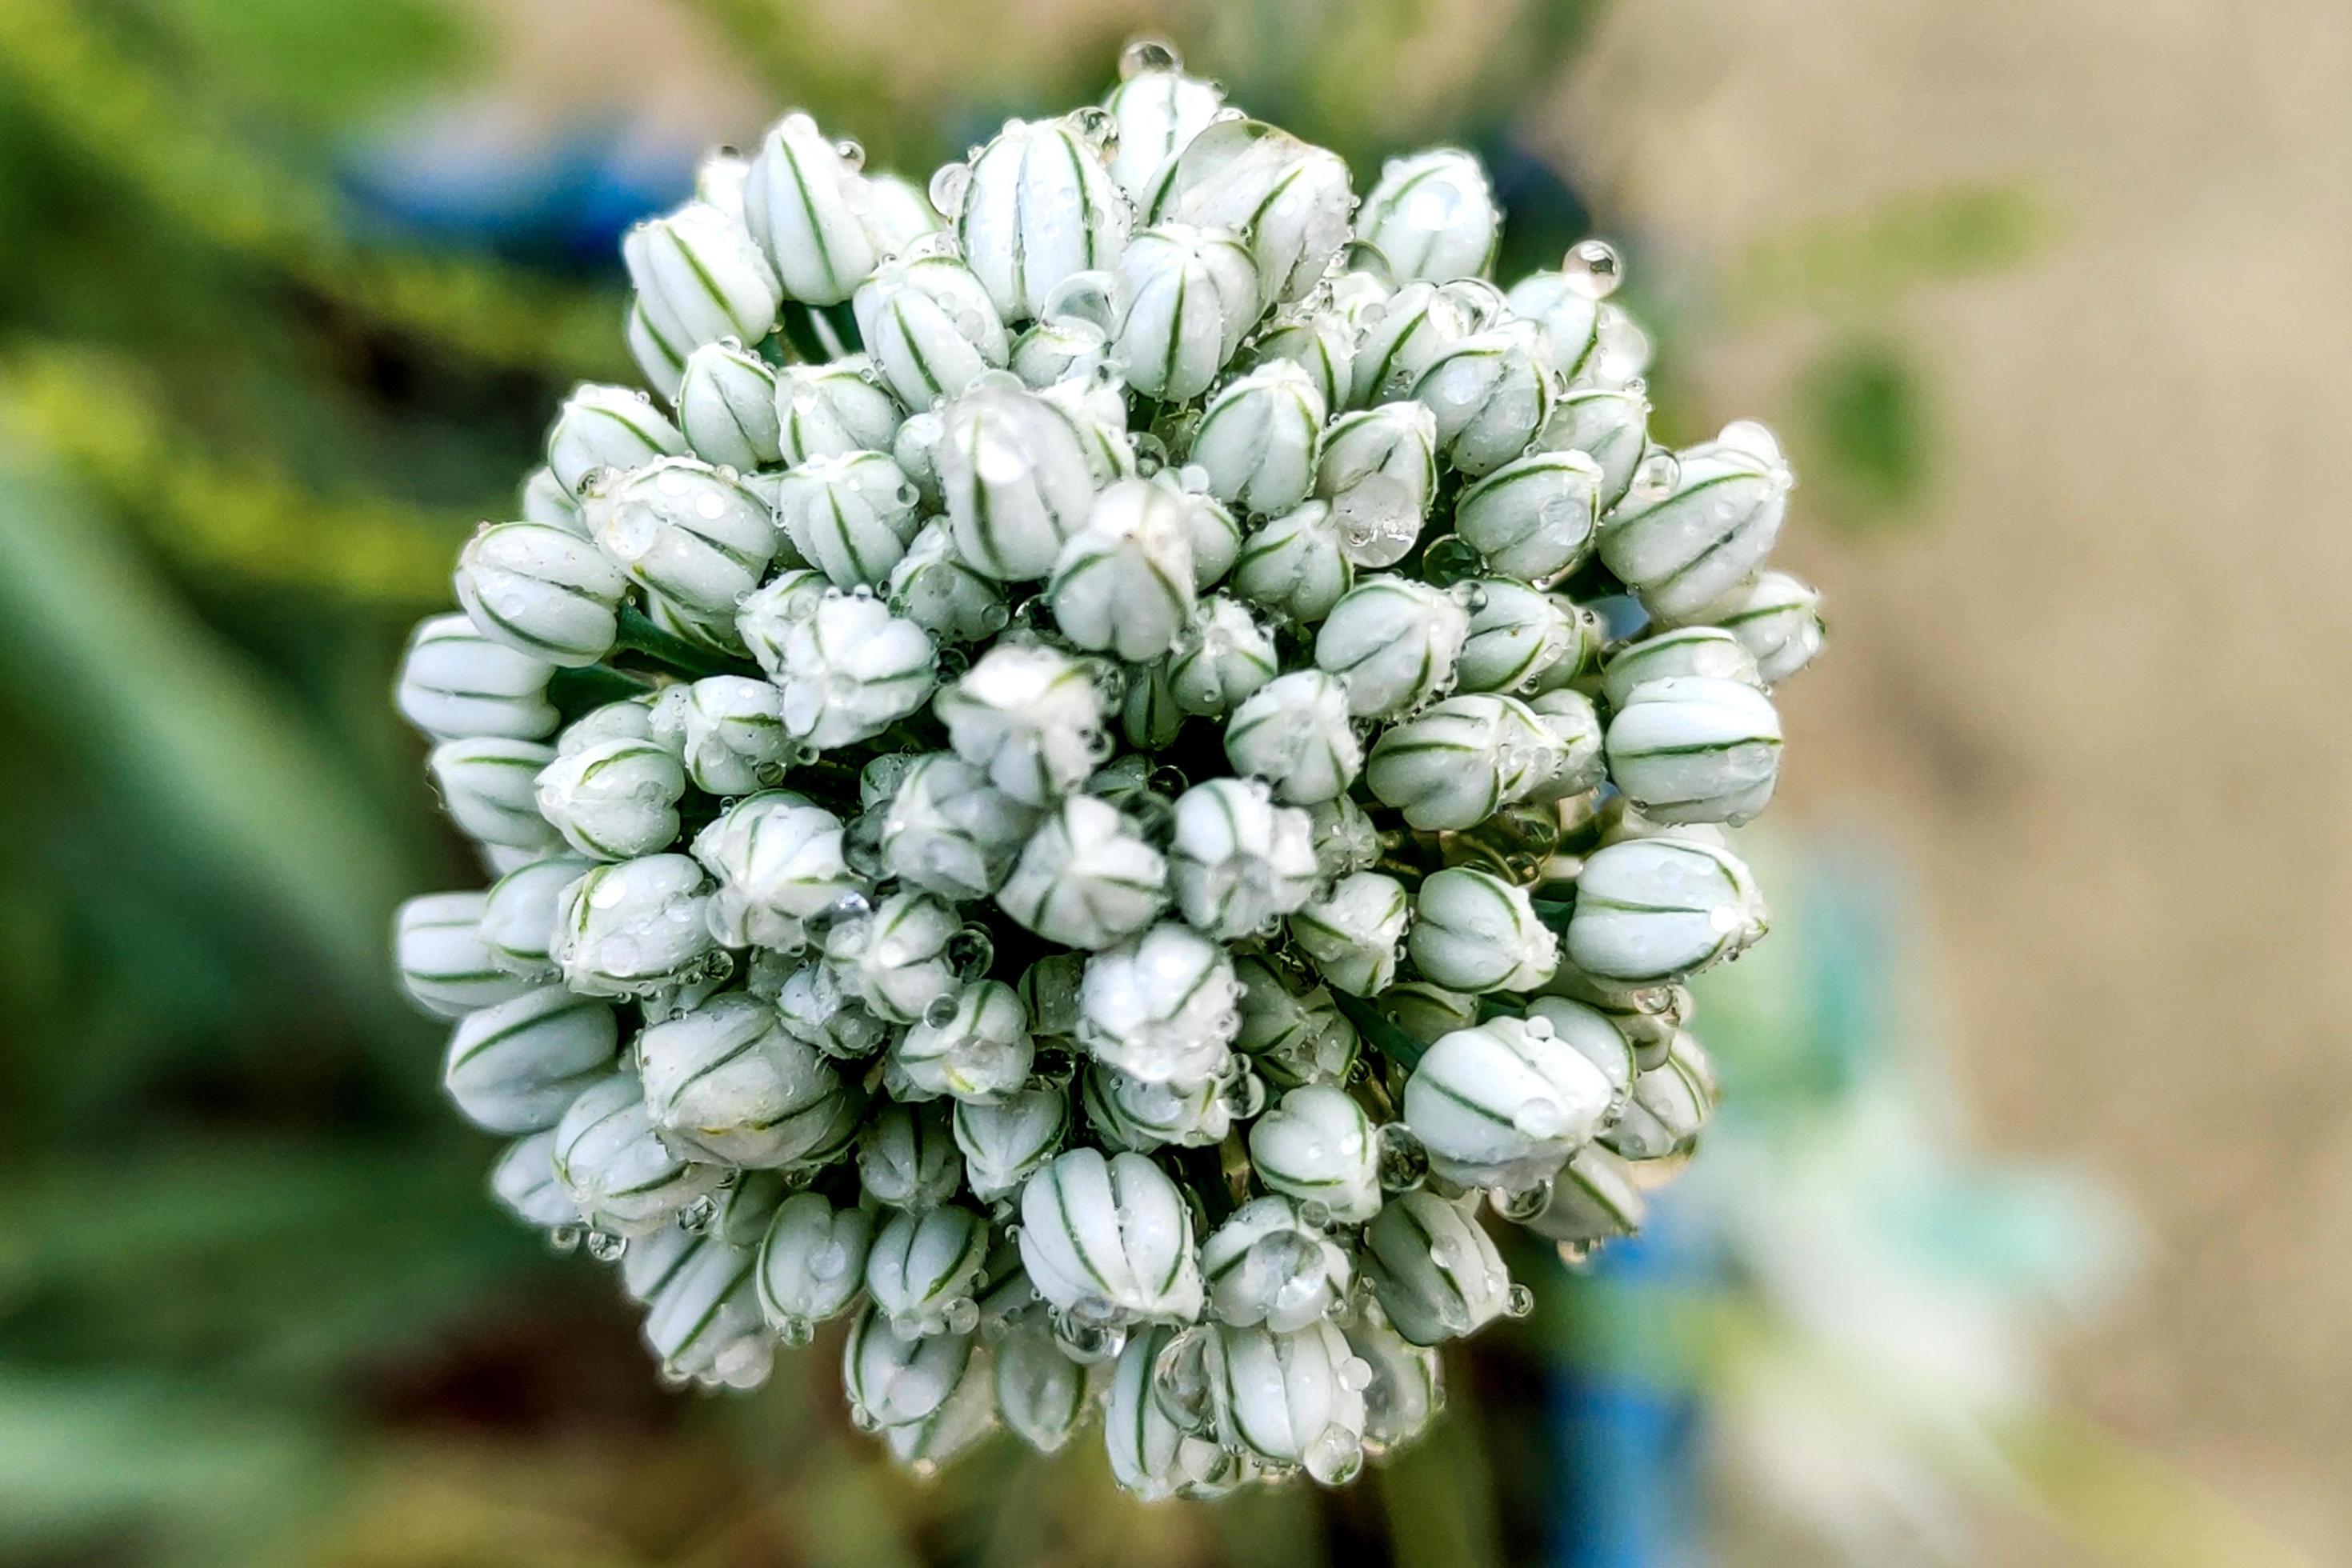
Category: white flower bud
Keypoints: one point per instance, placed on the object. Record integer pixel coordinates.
(1266, 1265)
(1776, 618)
(1160, 1008)
(541, 591)
(1395, 642)
(1353, 932)
(811, 1264)
(1004, 1143)
(850, 670)
(1316, 1146)
(613, 799)
(513, 1066)
(1028, 717)
(729, 730)
(523, 1182)
(486, 788)
(1595, 1198)
(1609, 425)
(700, 278)
(602, 426)
(1490, 394)
(1651, 912)
(1570, 720)
(1433, 216)
(767, 617)
(1692, 748)
(615, 1166)
(1293, 1037)
(1186, 297)
(1474, 932)
(684, 529)
(933, 586)
(726, 407)
(1586, 337)
(1516, 635)
(1240, 862)
(726, 1083)
(1669, 1108)
(831, 410)
(896, 959)
(545, 501)
(964, 1419)
(1085, 878)
(1295, 566)
(814, 1007)
(1221, 656)
(1296, 733)
(1209, 524)
(1042, 1393)
(1290, 201)
(930, 328)
(1593, 1035)
(1124, 583)
(1533, 518)
(456, 684)
(1289, 1399)
(1434, 1269)
(1109, 1240)
(662, 363)
(1504, 1104)
(1457, 764)
(923, 1269)
(1059, 349)
(1346, 839)
(1151, 1458)
(445, 966)
(979, 1051)
(896, 1380)
(1689, 548)
(899, 213)
(850, 516)
(633, 928)
(1259, 439)
(518, 918)
(1708, 653)
(907, 1157)
(1158, 113)
(1403, 334)
(1039, 205)
(805, 205)
(702, 1318)
(1408, 1385)
(1379, 471)
(949, 830)
(1095, 406)
(1017, 480)
(1125, 1112)
(779, 862)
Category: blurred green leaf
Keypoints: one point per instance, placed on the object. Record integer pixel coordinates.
(1853, 261)
(325, 62)
(192, 731)
(1868, 433)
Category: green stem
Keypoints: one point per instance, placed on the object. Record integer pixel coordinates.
(1386, 1038)
(576, 692)
(641, 638)
(1553, 912)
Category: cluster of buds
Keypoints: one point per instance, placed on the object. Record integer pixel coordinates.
(1128, 754)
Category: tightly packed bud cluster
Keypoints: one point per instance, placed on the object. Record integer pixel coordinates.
(1128, 755)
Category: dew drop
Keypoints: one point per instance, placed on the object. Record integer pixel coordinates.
(1142, 55)
(1593, 268)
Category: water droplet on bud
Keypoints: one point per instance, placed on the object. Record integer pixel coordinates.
(1142, 55)
(1593, 268)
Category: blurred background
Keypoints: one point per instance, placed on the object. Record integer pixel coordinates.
(2027, 1234)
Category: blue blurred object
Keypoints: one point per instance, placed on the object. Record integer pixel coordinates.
(472, 179)
(1626, 1424)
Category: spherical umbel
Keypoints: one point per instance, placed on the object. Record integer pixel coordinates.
(1121, 756)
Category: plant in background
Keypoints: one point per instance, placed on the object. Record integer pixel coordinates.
(1130, 750)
